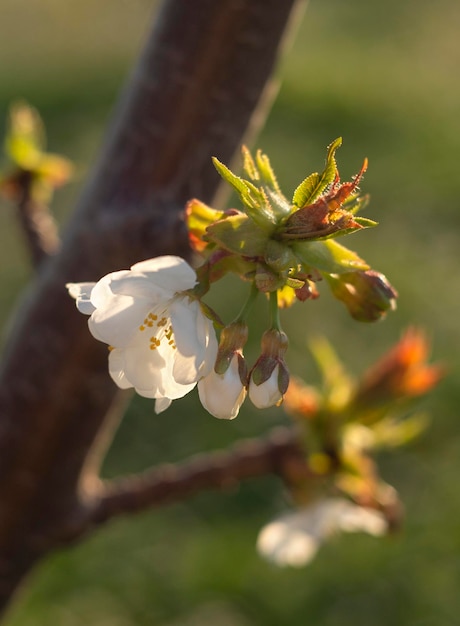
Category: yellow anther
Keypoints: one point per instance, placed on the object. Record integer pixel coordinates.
(110, 348)
(153, 317)
(149, 324)
(142, 327)
(162, 322)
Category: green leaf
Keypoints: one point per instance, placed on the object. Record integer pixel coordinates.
(266, 172)
(248, 192)
(313, 186)
(238, 234)
(306, 190)
(328, 256)
(248, 164)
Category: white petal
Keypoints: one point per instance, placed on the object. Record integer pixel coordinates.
(168, 272)
(222, 394)
(140, 286)
(116, 369)
(283, 546)
(360, 519)
(195, 340)
(267, 394)
(82, 294)
(143, 366)
(117, 317)
(161, 404)
(293, 539)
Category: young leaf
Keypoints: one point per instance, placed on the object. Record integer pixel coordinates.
(313, 186)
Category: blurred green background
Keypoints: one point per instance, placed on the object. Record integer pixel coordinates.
(384, 75)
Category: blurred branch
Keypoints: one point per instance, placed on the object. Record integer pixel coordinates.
(279, 453)
(193, 94)
(37, 223)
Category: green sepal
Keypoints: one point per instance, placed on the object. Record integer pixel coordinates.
(266, 172)
(365, 222)
(254, 200)
(238, 234)
(279, 256)
(248, 164)
(328, 256)
(313, 186)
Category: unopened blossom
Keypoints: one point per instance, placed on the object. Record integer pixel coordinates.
(270, 376)
(295, 538)
(223, 390)
(160, 341)
(223, 394)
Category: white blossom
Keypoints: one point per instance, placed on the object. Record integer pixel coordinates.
(160, 341)
(294, 539)
(223, 394)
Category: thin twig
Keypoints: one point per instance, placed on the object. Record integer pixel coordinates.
(37, 223)
(279, 453)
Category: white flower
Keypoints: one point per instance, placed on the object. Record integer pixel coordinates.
(160, 341)
(223, 394)
(294, 539)
(267, 393)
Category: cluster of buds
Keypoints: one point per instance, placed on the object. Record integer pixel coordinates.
(224, 389)
(287, 246)
(342, 428)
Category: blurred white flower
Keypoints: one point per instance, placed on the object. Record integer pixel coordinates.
(160, 341)
(294, 539)
(223, 394)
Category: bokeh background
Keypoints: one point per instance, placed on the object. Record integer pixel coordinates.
(385, 76)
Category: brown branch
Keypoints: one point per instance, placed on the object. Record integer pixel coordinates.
(279, 453)
(37, 223)
(193, 94)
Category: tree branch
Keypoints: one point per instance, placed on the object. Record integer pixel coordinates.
(192, 95)
(37, 223)
(279, 453)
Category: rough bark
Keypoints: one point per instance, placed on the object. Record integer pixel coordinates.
(193, 94)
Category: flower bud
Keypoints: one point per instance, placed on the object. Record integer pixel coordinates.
(270, 376)
(367, 294)
(223, 394)
(223, 390)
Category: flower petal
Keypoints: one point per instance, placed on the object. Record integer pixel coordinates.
(116, 369)
(266, 394)
(82, 294)
(282, 545)
(195, 340)
(161, 404)
(169, 272)
(222, 394)
(117, 317)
